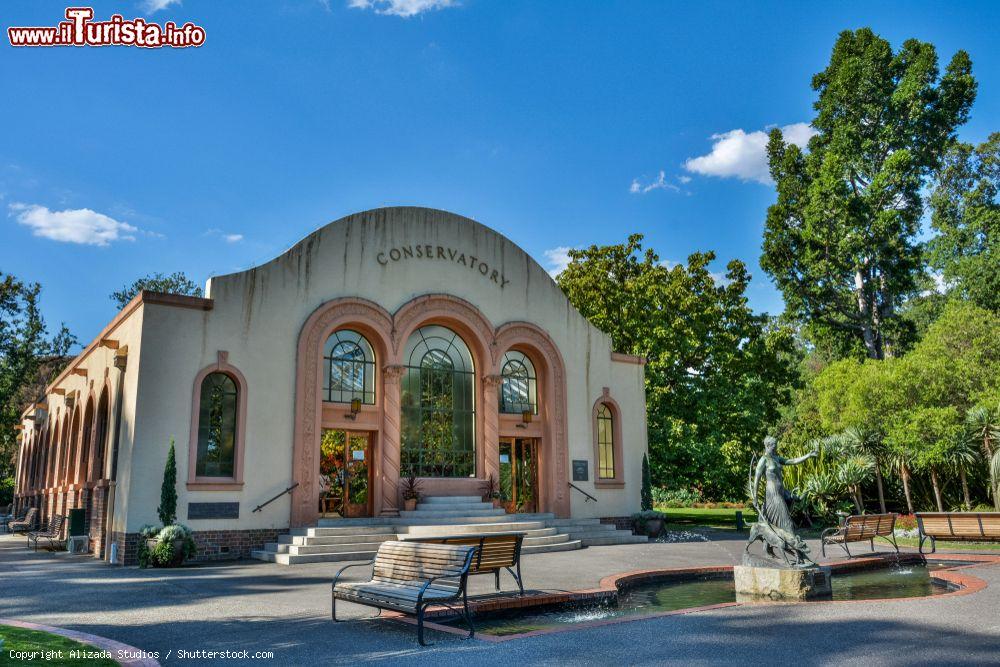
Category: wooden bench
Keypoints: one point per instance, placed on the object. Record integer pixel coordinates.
(494, 552)
(409, 577)
(861, 528)
(52, 533)
(958, 527)
(25, 524)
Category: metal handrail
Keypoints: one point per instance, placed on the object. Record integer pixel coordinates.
(589, 497)
(268, 502)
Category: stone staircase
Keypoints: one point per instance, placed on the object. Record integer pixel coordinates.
(359, 539)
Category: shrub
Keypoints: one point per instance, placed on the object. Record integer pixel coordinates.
(646, 493)
(906, 522)
(677, 497)
(639, 519)
(167, 510)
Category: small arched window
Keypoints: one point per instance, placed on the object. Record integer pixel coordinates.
(349, 365)
(217, 421)
(605, 442)
(518, 391)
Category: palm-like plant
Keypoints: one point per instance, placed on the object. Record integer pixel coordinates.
(868, 442)
(962, 454)
(984, 429)
(852, 472)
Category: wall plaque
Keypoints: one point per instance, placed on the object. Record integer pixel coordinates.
(580, 473)
(213, 511)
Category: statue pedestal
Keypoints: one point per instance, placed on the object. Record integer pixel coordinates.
(770, 583)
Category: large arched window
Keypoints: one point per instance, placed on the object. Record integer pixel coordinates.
(605, 442)
(349, 368)
(217, 422)
(438, 431)
(518, 391)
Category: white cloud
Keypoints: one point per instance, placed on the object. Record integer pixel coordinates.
(225, 236)
(743, 155)
(232, 238)
(79, 225)
(557, 259)
(661, 183)
(405, 8)
(153, 6)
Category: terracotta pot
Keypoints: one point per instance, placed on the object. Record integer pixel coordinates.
(654, 527)
(410, 504)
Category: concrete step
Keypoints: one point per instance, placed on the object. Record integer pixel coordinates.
(451, 499)
(335, 522)
(570, 545)
(292, 559)
(577, 522)
(603, 540)
(454, 506)
(449, 513)
(276, 548)
(325, 531)
(463, 529)
(558, 538)
(304, 549)
(402, 523)
(336, 539)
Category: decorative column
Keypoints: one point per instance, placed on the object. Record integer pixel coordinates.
(491, 426)
(390, 444)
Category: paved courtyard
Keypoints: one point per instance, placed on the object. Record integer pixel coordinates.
(265, 607)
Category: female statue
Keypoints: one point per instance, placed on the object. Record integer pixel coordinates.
(776, 497)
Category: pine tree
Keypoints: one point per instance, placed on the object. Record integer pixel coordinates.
(647, 486)
(168, 492)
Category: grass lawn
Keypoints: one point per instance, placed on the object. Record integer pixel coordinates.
(949, 546)
(42, 643)
(712, 518)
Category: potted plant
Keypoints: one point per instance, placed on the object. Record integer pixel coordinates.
(648, 522)
(173, 544)
(411, 493)
(491, 491)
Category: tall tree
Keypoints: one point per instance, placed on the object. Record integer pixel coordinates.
(175, 283)
(716, 374)
(840, 240)
(966, 215)
(29, 357)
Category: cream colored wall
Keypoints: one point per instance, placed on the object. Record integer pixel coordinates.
(257, 317)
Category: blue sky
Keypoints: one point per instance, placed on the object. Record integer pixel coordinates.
(550, 121)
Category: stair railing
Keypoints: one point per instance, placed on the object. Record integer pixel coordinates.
(588, 496)
(268, 502)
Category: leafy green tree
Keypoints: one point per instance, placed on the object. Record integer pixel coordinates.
(965, 208)
(840, 240)
(167, 511)
(29, 358)
(716, 374)
(175, 283)
(928, 434)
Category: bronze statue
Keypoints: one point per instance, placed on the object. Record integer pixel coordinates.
(774, 526)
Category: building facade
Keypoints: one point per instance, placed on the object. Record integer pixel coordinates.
(394, 343)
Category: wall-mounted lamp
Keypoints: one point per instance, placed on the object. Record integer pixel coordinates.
(355, 408)
(525, 419)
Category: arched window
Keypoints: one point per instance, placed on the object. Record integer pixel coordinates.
(438, 431)
(96, 470)
(605, 442)
(349, 368)
(518, 391)
(217, 420)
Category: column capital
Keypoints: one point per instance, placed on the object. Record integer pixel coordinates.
(492, 381)
(393, 373)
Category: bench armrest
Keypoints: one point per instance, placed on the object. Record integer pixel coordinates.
(830, 532)
(336, 577)
(464, 577)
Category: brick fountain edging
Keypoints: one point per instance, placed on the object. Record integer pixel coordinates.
(964, 584)
(101, 643)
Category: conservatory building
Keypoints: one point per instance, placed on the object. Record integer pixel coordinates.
(393, 347)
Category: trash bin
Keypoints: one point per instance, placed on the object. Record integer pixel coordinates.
(77, 522)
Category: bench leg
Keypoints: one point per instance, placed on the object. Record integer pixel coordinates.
(871, 543)
(846, 549)
(822, 547)
(497, 573)
(333, 604)
(465, 611)
(517, 577)
(420, 626)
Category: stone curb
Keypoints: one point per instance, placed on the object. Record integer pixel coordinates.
(102, 643)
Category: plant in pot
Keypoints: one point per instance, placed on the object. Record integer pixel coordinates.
(173, 544)
(491, 491)
(411, 493)
(648, 522)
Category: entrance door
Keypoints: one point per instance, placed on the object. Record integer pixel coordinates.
(345, 474)
(519, 474)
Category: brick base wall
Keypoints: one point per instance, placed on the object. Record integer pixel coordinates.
(620, 522)
(213, 545)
